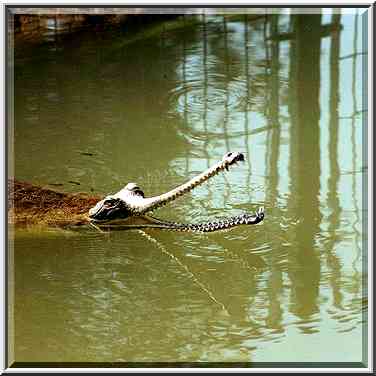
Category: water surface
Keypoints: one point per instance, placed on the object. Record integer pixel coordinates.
(94, 111)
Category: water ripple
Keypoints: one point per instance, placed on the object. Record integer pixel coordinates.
(200, 99)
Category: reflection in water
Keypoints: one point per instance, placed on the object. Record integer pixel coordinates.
(216, 83)
(273, 117)
(186, 269)
(275, 281)
(305, 157)
(227, 65)
(205, 85)
(354, 147)
(247, 107)
(333, 181)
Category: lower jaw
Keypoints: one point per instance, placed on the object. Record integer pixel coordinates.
(130, 221)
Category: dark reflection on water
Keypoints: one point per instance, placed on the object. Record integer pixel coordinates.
(304, 109)
(156, 108)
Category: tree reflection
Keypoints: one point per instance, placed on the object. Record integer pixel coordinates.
(305, 162)
(333, 181)
(274, 319)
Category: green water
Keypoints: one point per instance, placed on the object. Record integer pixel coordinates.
(93, 111)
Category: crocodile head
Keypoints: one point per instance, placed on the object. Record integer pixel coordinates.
(129, 206)
(114, 207)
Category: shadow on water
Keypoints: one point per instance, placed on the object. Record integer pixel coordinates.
(157, 111)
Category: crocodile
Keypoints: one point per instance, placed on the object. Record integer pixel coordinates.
(129, 208)
(31, 205)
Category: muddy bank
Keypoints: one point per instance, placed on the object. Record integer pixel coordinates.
(33, 205)
(43, 25)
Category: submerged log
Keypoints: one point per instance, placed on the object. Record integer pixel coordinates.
(33, 205)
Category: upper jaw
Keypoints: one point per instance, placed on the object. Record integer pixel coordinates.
(232, 158)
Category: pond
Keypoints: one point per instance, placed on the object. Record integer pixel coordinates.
(158, 105)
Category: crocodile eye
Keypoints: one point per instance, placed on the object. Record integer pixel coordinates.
(139, 192)
(109, 201)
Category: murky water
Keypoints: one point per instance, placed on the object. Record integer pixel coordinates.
(95, 111)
